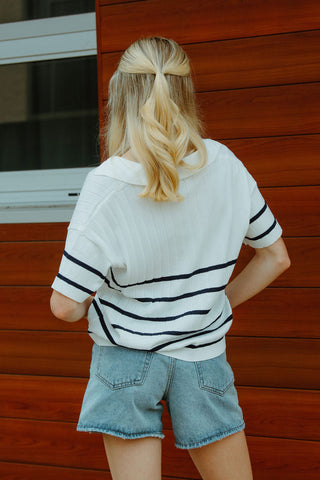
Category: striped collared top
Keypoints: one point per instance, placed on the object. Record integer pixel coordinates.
(159, 269)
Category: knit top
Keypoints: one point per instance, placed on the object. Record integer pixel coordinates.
(159, 269)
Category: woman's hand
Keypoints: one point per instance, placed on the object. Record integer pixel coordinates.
(67, 309)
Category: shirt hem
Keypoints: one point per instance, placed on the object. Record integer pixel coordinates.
(185, 353)
(205, 353)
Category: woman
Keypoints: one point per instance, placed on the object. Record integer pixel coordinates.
(149, 253)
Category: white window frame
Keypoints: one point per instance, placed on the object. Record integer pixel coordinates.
(35, 196)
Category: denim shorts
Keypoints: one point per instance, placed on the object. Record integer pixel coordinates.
(126, 387)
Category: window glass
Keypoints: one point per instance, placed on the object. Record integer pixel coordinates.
(49, 114)
(17, 10)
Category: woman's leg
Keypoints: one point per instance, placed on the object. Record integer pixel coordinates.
(138, 459)
(224, 459)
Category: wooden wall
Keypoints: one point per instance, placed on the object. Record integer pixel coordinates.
(257, 70)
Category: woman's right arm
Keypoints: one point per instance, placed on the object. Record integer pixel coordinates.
(265, 266)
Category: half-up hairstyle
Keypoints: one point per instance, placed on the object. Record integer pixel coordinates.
(152, 111)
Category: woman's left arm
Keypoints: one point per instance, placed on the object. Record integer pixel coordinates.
(67, 309)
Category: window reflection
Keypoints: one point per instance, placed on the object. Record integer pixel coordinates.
(18, 10)
(49, 114)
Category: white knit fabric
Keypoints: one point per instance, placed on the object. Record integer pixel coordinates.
(159, 269)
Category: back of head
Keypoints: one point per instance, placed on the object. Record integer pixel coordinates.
(152, 111)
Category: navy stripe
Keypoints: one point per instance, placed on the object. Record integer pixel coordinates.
(205, 344)
(110, 286)
(264, 233)
(89, 268)
(74, 284)
(83, 265)
(185, 295)
(170, 332)
(154, 319)
(102, 322)
(255, 217)
(159, 347)
(177, 277)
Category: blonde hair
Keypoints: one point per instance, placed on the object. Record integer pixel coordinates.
(152, 110)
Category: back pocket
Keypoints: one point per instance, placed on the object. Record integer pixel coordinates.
(215, 375)
(119, 367)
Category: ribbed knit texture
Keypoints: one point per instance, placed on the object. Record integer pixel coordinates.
(160, 268)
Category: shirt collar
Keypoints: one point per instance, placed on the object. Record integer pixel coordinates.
(131, 172)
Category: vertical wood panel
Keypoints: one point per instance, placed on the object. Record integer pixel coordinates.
(257, 361)
(188, 22)
(256, 70)
(37, 264)
(280, 161)
(288, 306)
(59, 445)
(246, 62)
(262, 112)
(284, 413)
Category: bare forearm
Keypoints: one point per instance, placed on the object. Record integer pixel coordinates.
(79, 312)
(262, 270)
(68, 310)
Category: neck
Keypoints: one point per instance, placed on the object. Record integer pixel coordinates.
(129, 156)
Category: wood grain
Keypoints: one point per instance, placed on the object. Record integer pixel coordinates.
(19, 471)
(14, 232)
(112, 2)
(299, 214)
(281, 412)
(36, 311)
(258, 61)
(296, 209)
(277, 412)
(30, 263)
(271, 362)
(256, 73)
(245, 62)
(283, 317)
(23, 471)
(304, 269)
(280, 161)
(279, 312)
(275, 362)
(45, 353)
(186, 23)
(284, 459)
(261, 112)
(42, 397)
(58, 444)
(50, 443)
(36, 264)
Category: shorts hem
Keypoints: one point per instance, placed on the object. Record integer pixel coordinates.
(115, 433)
(211, 439)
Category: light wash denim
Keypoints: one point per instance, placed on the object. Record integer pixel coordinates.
(124, 393)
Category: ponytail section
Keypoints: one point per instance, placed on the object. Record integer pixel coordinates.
(152, 111)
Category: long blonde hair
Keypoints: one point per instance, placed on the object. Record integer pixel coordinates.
(152, 110)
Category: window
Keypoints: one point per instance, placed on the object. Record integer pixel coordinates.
(48, 114)
(48, 110)
(19, 10)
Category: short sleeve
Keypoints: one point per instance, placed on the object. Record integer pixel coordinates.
(90, 246)
(263, 229)
(83, 267)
